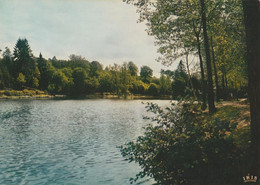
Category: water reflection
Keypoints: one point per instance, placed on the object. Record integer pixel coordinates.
(68, 141)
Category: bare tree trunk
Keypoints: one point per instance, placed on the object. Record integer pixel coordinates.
(226, 81)
(211, 102)
(223, 86)
(252, 21)
(215, 70)
(189, 75)
(197, 33)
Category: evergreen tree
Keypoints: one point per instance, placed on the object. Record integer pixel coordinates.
(180, 81)
(6, 70)
(24, 61)
(7, 59)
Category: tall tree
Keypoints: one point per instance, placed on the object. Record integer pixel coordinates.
(252, 25)
(211, 102)
(7, 59)
(215, 70)
(228, 50)
(175, 25)
(95, 67)
(165, 85)
(197, 32)
(79, 76)
(46, 72)
(146, 74)
(24, 61)
(105, 82)
(22, 55)
(74, 57)
(180, 81)
(132, 68)
(125, 79)
(7, 68)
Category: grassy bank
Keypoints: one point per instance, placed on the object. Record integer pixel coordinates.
(237, 113)
(24, 94)
(38, 94)
(190, 145)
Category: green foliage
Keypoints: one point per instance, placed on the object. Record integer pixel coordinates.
(21, 80)
(228, 37)
(7, 60)
(122, 80)
(60, 81)
(105, 82)
(139, 87)
(153, 89)
(35, 82)
(146, 74)
(178, 29)
(179, 86)
(74, 62)
(91, 85)
(180, 82)
(132, 68)
(186, 146)
(46, 73)
(79, 76)
(6, 79)
(51, 88)
(165, 85)
(67, 87)
(24, 61)
(126, 79)
(2, 85)
(95, 68)
(25, 92)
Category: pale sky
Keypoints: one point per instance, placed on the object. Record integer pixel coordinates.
(102, 30)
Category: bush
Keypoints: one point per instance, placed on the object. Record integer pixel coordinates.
(153, 89)
(187, 146)
(139, 87)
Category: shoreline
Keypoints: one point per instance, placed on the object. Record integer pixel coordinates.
(40, 95)
(128, 97)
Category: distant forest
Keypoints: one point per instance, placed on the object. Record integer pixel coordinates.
(77, 77)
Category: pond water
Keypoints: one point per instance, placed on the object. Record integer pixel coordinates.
(69, 141)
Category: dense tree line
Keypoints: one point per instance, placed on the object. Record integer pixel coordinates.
(76, 76)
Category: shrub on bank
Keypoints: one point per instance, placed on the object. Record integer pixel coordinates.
(188, 146)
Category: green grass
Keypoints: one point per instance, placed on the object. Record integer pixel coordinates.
(236, 117)
(227, 113)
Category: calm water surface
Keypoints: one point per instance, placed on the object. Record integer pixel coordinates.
(69, 141)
